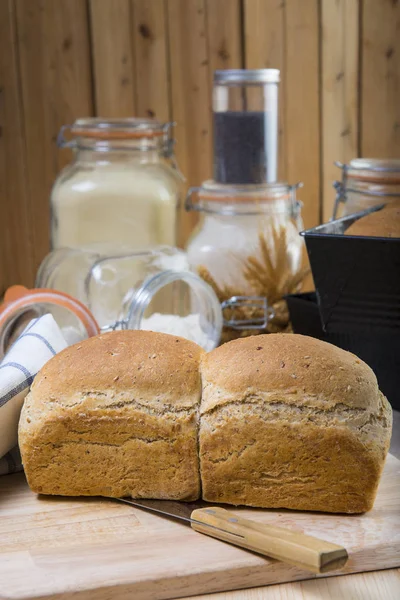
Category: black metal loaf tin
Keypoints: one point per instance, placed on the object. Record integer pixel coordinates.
(380, 351)
(356, 305)
(357, 278)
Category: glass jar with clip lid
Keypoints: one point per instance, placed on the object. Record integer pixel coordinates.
(366, 182)
(123, 185)
(245, 110)
(247, 245)
(88, 292)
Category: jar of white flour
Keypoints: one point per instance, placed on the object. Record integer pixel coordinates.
(122, 187)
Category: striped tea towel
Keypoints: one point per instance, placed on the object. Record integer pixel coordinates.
(41, 340)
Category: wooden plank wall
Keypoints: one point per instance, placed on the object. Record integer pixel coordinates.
(63, 59)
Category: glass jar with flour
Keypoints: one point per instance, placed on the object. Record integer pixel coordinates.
(152, 289)
(149, 289)
(122, 187)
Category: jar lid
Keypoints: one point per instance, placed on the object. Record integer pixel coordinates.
(248, 199)
(373, 170)
(19, 300)
(246, 76)
(211, 191)
(377, 164)
(112, 129)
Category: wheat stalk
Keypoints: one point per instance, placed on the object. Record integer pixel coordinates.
(272, 280)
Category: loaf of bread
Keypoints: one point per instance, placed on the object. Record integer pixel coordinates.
(381, 223)
(116, 415)
(286, 421)
(289, 421)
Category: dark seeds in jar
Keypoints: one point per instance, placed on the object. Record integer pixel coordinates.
(239, 147)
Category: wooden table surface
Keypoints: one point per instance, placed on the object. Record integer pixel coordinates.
(375, 585)
(36, 525)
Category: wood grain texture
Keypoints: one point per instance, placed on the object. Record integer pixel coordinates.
(224, 41)
(380, 102)
(150, 39)
(339, 91)
(96, 549)
(265, 48)
(191, 95)
(53, 47)
(224, 35)
(363, 586)
(294, 548)
(113, 60)
(16, 245)
(339, 94)
(302, 108)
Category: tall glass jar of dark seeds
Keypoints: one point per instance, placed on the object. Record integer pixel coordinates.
(245, 107)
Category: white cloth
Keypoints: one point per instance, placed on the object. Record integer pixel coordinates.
(39, 342)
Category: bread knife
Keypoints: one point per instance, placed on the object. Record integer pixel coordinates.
(303, 551)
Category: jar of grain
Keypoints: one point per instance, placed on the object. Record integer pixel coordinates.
(366, 182)
(247, 245)
(122, 187)
(245, 111)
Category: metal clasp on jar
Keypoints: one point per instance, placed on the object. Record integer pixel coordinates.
(62, 142)
(340, 187)
(168, 148)
(249, 303)
(297, 205)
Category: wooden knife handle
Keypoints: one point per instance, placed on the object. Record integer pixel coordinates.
(295, 548)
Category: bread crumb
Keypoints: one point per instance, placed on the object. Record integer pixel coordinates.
(294, 376)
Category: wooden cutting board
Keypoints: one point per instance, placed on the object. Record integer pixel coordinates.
(97, 549)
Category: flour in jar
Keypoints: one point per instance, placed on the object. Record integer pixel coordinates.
(188, 327)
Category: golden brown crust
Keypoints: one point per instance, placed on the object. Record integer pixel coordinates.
(161, 366)
(382, 223)
(115, 415)
(316, 441)
(318, 374)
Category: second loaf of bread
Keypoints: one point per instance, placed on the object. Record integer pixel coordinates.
(289, 421)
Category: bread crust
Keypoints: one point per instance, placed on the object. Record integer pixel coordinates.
(285, 421)
(289, 421)
(116, 415)
(381, 223)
